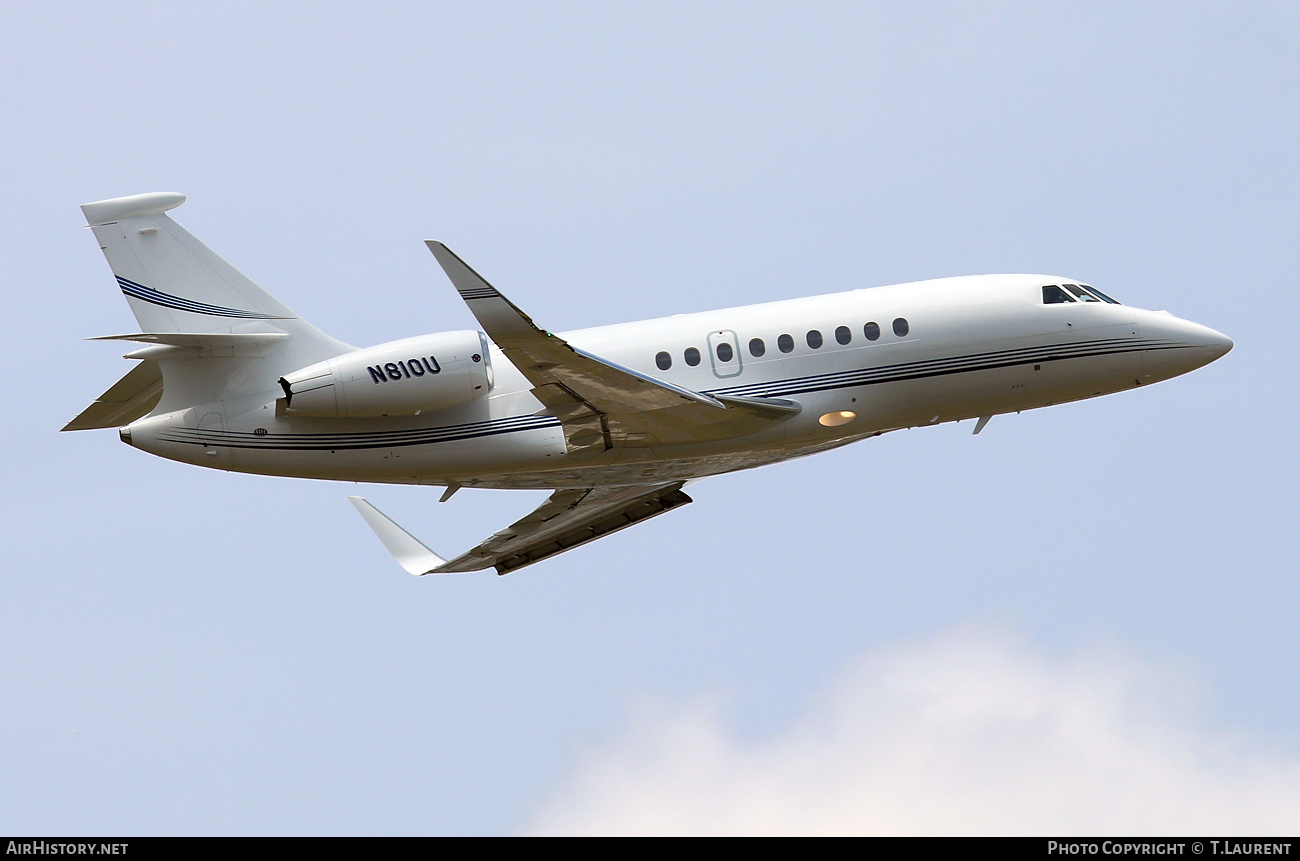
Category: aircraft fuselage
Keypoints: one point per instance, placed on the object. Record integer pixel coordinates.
(858, 364)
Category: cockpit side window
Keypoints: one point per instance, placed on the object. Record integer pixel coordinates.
(1053, 295)
(1080, 293)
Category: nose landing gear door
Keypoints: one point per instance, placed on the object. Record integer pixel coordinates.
(724, 353)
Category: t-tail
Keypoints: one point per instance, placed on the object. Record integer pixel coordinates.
(208, 332)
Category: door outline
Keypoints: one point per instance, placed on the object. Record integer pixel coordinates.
(725, 369)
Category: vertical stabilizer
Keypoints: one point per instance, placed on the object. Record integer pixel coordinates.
(177, 285)
(172, 281)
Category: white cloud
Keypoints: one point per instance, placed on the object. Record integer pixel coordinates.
(972, 733)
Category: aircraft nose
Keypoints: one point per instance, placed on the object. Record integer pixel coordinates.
(1205, 343)
(1180, 346)
(1217, 343)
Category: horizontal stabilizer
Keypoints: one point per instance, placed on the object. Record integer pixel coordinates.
(198, 339)
(131, 397)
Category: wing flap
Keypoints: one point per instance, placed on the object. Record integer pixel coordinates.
(569, 518)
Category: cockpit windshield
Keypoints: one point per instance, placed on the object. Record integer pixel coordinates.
(1060, 295)
(1100, 295)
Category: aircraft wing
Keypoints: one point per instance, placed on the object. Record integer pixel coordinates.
(602, 405)
(568, 518)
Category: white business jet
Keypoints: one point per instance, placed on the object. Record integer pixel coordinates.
(616, 419)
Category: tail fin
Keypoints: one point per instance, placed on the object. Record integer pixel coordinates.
(177, 285)
(173, 282)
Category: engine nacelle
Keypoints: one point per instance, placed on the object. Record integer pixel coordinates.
(400, 378)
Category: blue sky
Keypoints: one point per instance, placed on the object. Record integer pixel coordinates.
(188, 651)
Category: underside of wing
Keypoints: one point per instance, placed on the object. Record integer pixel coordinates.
(567, 519)
(602, 405)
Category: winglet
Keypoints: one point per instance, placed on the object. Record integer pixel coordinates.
(406, 548)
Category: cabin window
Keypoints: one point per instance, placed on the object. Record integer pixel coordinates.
(900, 327)
(757, 347)
(663, 360)
(871, 331)
(692, 356)
(1053, 295)
(814, 339)
(725, 352)
(785, 343)
(843, 335)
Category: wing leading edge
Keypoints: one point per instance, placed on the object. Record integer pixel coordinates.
(602, 405)
(568, 518)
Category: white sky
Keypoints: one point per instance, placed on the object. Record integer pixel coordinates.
(188, 651)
